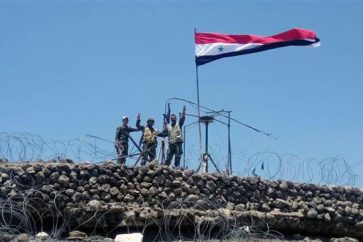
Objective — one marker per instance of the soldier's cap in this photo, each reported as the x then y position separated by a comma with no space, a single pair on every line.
150,119
124,117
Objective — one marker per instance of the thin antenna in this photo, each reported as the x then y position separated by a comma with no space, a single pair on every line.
198,104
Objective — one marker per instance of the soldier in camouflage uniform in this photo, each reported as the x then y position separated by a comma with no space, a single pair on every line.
149,140
122,139
174,131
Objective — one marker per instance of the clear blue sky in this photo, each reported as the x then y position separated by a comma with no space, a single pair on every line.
69,68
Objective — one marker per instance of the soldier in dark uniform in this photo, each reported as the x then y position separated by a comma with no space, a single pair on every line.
174,131
149,140
122,139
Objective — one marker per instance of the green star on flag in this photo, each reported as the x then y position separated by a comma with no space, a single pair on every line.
220,49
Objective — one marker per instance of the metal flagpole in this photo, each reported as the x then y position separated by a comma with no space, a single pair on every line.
199,124
198,104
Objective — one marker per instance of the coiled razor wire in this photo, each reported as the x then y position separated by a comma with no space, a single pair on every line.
24,210
25,147
31,147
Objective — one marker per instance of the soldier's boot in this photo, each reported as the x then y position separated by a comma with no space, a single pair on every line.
177,160
122,161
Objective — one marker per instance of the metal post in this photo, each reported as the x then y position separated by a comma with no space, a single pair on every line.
229,145
185,140
206,137
206,146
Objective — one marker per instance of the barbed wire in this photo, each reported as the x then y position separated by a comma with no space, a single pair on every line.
24,147
31,147
25,208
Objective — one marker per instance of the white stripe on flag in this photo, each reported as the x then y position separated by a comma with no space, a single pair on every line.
222,48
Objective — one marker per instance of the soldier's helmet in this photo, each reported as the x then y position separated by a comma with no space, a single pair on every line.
124,118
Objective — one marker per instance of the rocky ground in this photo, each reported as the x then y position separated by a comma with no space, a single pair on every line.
92,197
81,237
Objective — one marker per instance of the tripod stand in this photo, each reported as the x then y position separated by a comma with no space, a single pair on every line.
206,156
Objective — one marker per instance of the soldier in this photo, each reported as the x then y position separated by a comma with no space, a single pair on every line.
175,139
122,139
149,140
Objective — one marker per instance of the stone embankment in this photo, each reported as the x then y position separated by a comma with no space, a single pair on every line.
108,196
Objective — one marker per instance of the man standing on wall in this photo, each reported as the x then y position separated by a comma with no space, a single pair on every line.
149,140
175,139
122,139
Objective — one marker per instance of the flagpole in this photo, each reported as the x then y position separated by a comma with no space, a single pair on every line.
198,104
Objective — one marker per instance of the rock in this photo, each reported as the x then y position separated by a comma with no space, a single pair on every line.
92,180
96,238
191,198
63,180
312,213
22,238
163,195
176,183
41,236
359,226
188,173
330,210
133,237
261,186
105,196
76,197
283,186
73,176
211,186
355,211
39,177
47,189
163,181
327,217
345,239
30,170
69,192
54,177
146,185
280,203
3,177
102,179
93,205
129,198
153,191
225,213
77,235
176,172
148,179
240,207
320,208
229,205
144,192
104,188
114,191
265,207
86,196
130,173
84,174
80,189
297,236
150,172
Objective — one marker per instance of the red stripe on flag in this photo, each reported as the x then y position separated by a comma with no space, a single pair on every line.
292,34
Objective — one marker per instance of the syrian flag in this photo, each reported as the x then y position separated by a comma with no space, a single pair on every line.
213,46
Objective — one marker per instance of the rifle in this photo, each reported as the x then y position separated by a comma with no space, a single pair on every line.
166,121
